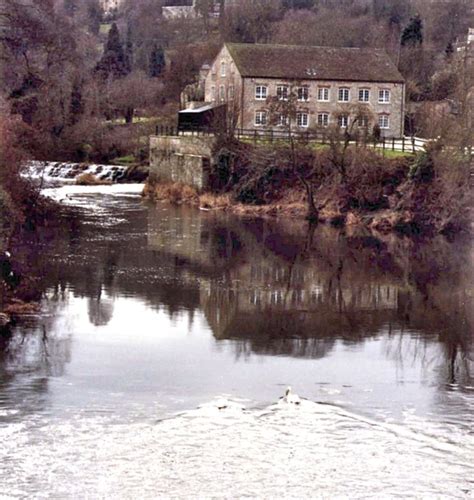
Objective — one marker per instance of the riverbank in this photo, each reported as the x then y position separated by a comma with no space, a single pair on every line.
425,194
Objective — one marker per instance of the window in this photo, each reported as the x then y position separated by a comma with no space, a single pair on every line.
323,119
282,93
363,121
231,92
303,94
282,121
260,118
223,68
222,93
384,121
302,119
343,94
213,93
261,92
323,94
384,96
343,121
364,95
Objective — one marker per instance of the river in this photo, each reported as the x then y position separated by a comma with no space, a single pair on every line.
168,334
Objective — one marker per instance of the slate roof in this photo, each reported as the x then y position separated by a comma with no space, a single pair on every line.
313,63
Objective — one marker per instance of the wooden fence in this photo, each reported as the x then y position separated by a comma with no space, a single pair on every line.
403,144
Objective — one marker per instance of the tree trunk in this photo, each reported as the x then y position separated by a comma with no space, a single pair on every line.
129,113
313,213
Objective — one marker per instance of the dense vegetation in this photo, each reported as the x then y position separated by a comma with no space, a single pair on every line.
78,85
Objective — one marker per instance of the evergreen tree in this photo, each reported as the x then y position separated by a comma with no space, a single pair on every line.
157,61
113,62
76,106
413,32
129,59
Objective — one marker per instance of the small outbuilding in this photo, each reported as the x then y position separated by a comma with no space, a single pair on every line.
206,118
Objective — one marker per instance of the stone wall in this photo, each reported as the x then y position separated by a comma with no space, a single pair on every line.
394,109
184,159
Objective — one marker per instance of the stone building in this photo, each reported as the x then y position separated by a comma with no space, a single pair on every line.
110,6
331,85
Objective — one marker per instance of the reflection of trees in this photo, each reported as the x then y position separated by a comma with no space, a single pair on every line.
272,286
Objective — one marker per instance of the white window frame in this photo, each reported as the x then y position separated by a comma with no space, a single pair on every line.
213,93
261,92
363,122
344,92
261,118
302,119
384,121
282,120
364,95
231,92
303,94
343,121
384,96
223,69
222,93
323,119
282,92
323,94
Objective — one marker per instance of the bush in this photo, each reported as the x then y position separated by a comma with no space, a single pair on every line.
422,169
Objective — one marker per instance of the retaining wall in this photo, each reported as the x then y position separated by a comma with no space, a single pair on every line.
184,159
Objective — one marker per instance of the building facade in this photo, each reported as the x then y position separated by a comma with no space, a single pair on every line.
331,86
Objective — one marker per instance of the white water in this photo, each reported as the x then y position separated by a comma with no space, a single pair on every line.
280,451
74,435
68,172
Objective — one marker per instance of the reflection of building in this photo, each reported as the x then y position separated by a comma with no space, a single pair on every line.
256,288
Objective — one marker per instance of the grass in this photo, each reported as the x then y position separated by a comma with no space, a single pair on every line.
318,146
104,28
125,160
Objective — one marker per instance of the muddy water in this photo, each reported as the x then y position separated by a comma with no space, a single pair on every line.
168,335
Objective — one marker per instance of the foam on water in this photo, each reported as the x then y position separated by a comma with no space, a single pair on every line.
311,450
68,172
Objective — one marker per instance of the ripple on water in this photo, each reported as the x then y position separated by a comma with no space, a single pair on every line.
310,450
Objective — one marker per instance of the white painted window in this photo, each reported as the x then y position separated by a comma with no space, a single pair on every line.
303,94
261,118
231,92
384,121
323,94
223,69
222,93
261,92
282,120
213,93
282,92
364,95
302,119
384,96
343,121
363,121
323,119
344,94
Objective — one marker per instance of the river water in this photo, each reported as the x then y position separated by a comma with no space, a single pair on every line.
168,335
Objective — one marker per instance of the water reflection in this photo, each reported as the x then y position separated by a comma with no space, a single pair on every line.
165,308
285,289
270,287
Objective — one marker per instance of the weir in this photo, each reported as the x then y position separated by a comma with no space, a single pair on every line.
68,172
